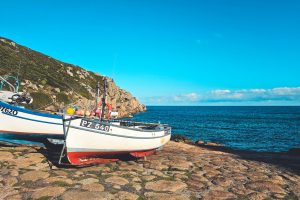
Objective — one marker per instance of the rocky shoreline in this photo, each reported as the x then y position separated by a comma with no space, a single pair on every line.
180,171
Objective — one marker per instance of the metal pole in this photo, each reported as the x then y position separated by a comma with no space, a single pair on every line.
4,80
103,100
98,93
65,138
66,131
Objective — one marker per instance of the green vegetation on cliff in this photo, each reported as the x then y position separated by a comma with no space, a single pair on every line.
40,99
49,80
40,69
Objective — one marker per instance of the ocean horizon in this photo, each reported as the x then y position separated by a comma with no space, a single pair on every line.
257,128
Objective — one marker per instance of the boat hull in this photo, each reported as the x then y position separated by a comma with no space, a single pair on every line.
86,144
18,123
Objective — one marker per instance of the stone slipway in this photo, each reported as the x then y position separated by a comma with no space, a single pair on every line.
180,171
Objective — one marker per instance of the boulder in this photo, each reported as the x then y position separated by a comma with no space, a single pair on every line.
56,90
180,138
48,192
93,187
88,181
200,142
126,195
80,195
34,175
213,144
117,180
165,185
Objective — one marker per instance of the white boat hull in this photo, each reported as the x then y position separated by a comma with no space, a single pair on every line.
20,123
85,139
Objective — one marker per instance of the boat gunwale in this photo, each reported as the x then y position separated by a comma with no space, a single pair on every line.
123,136
164,126
31,112
34,120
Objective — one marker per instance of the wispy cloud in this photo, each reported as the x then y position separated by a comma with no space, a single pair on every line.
190,97
226,95
282,93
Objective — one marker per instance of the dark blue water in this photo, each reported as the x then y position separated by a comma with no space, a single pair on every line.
273,129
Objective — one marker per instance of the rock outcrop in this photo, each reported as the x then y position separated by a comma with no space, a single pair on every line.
55,84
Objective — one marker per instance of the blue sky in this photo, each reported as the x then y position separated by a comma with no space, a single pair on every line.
172,52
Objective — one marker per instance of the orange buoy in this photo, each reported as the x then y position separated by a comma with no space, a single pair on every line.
87,113
79,112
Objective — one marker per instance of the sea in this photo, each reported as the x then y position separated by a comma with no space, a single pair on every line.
264,129
257,128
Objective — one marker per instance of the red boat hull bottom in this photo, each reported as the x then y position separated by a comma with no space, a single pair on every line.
140,154
88,158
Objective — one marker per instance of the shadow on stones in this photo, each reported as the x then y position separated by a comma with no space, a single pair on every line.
8,144
289,161
52,154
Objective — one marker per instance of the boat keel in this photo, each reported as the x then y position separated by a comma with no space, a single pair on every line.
140,154
88,158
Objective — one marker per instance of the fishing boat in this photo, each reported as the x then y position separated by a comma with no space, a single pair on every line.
19,123
93,141
90,141
85,140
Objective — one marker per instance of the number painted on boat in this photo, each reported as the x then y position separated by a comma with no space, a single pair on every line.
8,111
94,125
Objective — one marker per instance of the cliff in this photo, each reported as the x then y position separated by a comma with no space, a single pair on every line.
54,84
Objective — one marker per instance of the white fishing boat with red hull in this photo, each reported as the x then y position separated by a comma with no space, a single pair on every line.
85,140
93,141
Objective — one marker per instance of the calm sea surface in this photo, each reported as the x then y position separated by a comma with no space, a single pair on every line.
253,128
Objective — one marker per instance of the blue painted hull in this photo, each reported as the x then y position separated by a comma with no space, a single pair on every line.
18,123
28,137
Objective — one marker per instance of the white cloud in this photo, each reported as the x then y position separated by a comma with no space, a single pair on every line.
225,95
282,93
237,95
257,90
220,92
286,91
186,97
192,96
